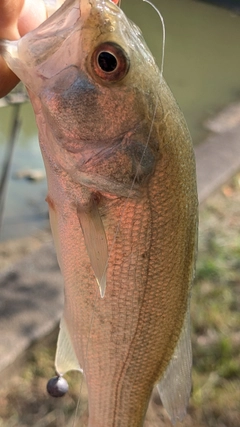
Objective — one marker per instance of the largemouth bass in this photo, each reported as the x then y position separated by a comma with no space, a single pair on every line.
123,207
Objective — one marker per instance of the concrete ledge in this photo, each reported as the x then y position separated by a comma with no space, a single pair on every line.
218,158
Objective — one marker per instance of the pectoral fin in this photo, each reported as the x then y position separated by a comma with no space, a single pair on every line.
66,359
96,242
175,385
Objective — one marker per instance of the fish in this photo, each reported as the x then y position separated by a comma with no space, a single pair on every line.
123,207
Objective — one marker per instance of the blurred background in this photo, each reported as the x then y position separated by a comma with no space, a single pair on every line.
202,63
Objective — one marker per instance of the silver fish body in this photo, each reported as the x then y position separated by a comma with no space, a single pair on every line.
123,207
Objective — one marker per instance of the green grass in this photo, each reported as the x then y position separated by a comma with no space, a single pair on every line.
216,311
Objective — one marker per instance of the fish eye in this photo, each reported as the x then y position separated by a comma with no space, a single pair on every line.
107,61
110,62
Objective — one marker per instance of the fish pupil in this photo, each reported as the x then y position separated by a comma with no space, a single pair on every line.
107,62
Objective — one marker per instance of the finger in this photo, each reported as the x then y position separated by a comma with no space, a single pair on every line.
8,79
32,14
16,19
9,12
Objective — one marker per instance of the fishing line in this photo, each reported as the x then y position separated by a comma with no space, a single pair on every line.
163,31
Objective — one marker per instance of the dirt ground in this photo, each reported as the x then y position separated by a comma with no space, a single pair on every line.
215,400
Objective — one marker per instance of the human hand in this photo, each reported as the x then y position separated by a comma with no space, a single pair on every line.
17,17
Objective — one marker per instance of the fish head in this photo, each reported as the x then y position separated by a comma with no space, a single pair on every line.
90,63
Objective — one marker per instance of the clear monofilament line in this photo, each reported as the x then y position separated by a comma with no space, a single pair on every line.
163,31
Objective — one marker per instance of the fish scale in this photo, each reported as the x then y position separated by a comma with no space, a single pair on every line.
110,314
123,207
